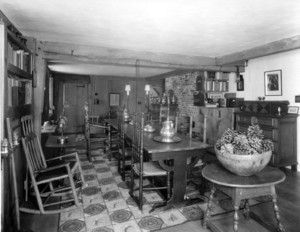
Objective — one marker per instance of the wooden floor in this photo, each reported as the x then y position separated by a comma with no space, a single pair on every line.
288,201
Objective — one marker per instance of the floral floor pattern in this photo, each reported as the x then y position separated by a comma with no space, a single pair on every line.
107,206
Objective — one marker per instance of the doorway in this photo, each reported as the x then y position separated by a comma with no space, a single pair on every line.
74,97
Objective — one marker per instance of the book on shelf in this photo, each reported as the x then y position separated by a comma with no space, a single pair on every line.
216,86
19,58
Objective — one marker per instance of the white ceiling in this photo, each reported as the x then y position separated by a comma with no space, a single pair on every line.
208,28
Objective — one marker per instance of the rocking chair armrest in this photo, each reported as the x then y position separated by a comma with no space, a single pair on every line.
64,165
63,156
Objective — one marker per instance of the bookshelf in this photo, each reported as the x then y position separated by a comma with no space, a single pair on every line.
18,69
210,87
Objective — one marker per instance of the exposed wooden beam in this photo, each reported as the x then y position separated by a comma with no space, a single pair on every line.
66,58
178,72
53,50
264,50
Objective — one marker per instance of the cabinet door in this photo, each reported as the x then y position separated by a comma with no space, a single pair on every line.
287,154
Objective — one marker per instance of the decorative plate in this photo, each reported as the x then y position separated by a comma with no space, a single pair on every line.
161,139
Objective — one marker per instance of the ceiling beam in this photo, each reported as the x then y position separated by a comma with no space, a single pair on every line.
283,45
108,55
67,58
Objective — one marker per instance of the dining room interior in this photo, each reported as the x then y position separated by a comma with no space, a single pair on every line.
115,115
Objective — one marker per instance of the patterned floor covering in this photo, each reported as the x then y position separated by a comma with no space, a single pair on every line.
107,206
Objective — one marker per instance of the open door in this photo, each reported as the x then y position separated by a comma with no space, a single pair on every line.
74,98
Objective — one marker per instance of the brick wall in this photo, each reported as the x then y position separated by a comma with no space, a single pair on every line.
184,87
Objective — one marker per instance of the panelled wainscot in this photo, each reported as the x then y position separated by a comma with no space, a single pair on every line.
276,124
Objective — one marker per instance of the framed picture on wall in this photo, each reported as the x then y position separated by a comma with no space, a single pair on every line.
273,83
114,99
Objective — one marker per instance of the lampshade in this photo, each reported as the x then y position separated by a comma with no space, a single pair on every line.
127,89
147,89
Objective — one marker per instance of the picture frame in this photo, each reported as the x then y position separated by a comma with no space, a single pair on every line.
273,83
114,99
293,109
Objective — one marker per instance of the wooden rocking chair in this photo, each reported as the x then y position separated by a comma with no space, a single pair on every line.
54,181
27,124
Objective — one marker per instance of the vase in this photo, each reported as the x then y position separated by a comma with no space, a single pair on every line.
243,165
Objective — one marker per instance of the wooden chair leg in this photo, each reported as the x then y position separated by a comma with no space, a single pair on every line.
168,185
131,178
16,196
123,168
141,192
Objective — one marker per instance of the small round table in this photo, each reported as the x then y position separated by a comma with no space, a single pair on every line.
242,188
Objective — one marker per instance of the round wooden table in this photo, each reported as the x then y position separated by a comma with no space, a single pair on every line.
242,188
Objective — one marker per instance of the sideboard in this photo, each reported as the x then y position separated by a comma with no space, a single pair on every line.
278,126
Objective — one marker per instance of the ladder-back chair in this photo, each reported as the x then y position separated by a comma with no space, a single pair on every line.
52,178
124,148
97,134
188,128
144,169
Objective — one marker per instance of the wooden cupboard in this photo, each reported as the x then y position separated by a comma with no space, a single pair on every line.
281,129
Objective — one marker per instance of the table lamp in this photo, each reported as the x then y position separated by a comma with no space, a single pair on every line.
126,116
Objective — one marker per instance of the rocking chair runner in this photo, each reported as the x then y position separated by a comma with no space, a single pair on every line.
49,180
